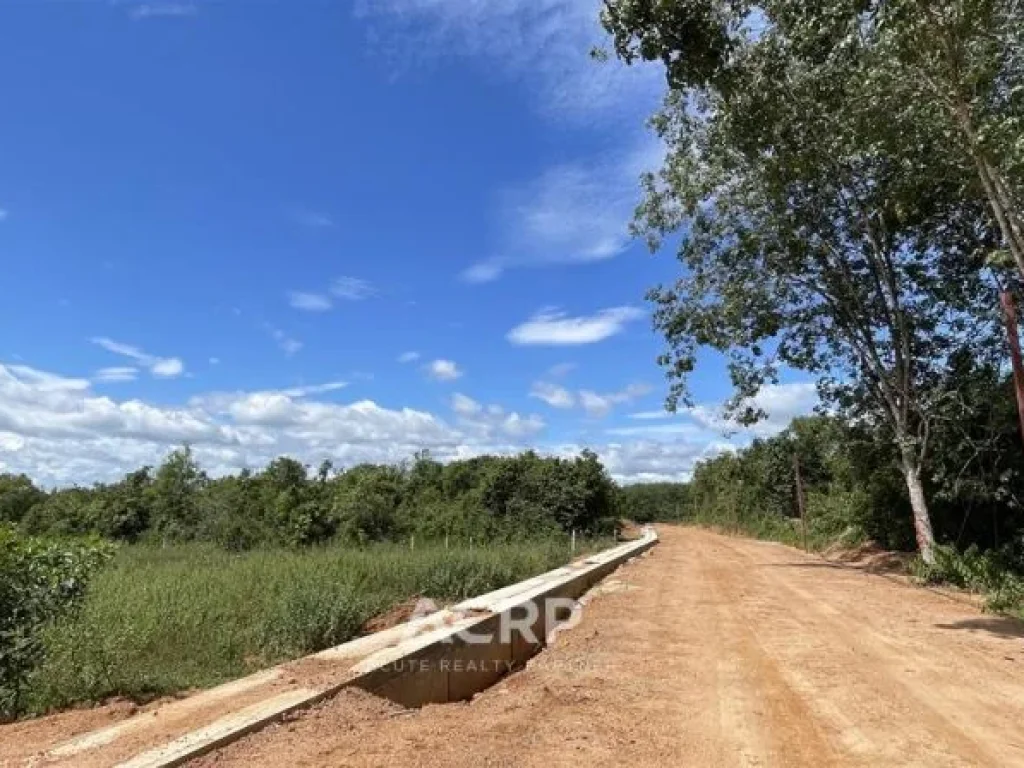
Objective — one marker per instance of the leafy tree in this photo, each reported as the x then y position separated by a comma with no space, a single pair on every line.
806,243
39,581
17,496
175,496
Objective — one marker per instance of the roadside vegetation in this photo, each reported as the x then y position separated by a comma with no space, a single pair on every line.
164,620
170,579
845,186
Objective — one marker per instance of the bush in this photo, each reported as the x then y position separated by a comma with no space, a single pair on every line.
40,581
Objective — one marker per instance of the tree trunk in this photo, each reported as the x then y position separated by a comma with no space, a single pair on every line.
919,505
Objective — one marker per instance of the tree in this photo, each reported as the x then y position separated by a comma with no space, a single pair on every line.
955,69
806,241
17,496
175,496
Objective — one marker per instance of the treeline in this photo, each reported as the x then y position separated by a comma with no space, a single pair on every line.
852,489
845,183
483,499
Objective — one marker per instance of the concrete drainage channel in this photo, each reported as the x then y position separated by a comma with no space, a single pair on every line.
447,656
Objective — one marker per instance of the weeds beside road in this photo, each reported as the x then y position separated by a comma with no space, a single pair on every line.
163,620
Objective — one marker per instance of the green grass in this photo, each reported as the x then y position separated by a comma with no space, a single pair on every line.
159,621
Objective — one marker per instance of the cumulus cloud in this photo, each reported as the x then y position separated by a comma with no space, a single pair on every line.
443,370
493,420
161,367
553,395
309,302
600,405
59,431
780,402
408,357
553,327
465,406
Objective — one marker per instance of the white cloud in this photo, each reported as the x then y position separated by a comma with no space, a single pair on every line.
4,213
59,431
162,10
492,420
650,415
309,302
599,406
575,213
287,344
214,361
545,44
781,402
465,406
352,289
561,370
116,374
552,327
315,389
168,368
443,370
408,357
483,271
161,367
553,395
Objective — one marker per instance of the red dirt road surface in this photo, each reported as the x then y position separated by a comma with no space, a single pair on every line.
712,651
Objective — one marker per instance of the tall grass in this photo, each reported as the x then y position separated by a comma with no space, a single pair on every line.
159,621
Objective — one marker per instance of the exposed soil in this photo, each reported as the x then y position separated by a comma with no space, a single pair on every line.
398,614
712,651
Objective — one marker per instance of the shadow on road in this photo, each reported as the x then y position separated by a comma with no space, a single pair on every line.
1004,626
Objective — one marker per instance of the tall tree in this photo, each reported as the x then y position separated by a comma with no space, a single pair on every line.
807,242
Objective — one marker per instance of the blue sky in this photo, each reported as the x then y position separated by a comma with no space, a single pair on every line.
329,229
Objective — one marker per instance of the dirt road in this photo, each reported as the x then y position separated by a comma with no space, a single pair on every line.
713,652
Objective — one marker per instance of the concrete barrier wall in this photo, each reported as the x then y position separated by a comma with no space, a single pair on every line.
426,660
443,665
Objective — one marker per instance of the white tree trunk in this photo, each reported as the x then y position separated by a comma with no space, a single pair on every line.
919,505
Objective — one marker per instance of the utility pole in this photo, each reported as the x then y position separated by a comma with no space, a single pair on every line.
800,503
1013,339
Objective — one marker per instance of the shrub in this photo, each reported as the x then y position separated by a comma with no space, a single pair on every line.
39,582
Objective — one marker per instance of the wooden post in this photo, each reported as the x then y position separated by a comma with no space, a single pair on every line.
412,542
1013,339
446,542
573,541
800,503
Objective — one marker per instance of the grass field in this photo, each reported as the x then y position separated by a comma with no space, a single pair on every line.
159,621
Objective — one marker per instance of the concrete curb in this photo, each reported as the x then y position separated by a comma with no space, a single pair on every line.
431,659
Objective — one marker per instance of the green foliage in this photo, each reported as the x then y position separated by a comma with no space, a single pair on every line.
40,581
165,619
482,499
999,574
819,167
651,502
